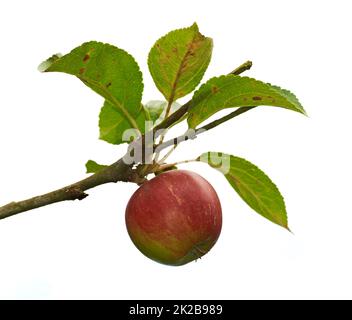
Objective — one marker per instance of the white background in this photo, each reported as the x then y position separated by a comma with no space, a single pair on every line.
48,129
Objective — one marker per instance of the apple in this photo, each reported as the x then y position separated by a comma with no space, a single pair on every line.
174,218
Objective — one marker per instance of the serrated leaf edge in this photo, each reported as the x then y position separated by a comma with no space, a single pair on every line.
173,84
124,111
261,172
274,88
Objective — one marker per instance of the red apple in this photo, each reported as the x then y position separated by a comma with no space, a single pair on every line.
175,217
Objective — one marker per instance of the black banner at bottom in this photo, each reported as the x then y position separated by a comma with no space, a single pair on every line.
159,309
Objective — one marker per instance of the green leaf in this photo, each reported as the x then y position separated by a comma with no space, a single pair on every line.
235,91
157,110
93,167
177,61
109,71
112,124
252,184
48,62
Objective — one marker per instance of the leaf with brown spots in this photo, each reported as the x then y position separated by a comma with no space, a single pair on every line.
252,185
235,91
177,61
109,71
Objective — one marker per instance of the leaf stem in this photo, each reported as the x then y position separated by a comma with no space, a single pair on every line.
231,115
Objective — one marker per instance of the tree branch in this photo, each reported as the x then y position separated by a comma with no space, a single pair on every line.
118,171
193,134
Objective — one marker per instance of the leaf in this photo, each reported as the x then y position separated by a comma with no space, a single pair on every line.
109,71
178,60
157,110
252,184
113,125
48,62
234,91
93,167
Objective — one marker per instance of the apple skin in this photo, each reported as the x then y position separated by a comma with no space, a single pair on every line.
174,218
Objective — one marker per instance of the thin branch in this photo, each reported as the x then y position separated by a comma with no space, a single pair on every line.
231,115
192,135
172,118
242,68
